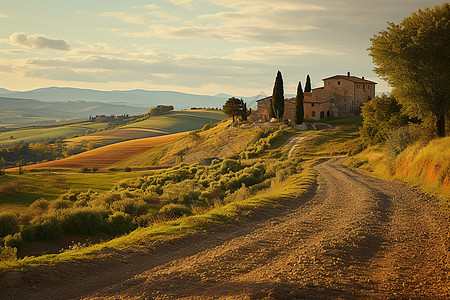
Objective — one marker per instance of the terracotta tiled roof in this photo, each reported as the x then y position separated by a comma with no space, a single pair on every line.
264,99
351,78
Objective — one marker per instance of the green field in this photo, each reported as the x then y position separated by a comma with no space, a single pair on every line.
180,121
37,134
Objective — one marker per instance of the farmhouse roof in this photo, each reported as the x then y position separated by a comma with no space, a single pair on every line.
351,78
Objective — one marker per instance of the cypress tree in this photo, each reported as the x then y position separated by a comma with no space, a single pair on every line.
278,98
308,84
299,112
244,113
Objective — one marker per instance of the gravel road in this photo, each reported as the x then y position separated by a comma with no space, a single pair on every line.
351,237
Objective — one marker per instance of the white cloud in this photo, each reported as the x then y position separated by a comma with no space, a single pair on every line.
3,16
135,19
38,42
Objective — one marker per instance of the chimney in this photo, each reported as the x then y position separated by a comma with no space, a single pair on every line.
363,77
348,74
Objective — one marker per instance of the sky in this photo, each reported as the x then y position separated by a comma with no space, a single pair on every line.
202,47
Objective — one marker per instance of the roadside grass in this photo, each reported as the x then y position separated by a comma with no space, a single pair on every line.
423,165
38,134
180,121
290,190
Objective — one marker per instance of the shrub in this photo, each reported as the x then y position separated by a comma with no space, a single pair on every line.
83,220
59,204
398,141
173,210
119,223
85,170
94,169
229,165
127,169
8,253
9,224
40,204
14,241
46,228
131,206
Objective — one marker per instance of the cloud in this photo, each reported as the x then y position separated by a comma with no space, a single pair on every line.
135,19
3,16
38,42
13,51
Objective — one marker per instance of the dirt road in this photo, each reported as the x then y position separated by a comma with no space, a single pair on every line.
353,236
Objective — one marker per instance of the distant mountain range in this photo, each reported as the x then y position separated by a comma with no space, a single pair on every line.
56,104
142,98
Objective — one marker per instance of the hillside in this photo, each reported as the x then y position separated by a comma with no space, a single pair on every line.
179,121
17,112
106,156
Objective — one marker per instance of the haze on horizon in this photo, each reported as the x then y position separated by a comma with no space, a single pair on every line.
203,46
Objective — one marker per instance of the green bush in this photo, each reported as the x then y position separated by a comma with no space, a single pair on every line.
44,228
173,210
119,223
9,224
83,220
127,169
132,207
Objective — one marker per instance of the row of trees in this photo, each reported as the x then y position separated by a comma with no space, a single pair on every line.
276,109
238,108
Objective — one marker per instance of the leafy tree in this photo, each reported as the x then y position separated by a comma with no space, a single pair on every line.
233,107
308,84
414,58
299,111
382,116
278,98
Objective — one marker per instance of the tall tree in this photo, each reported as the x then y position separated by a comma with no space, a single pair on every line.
278,98
233,107
299,111
244,112
308,84
414,58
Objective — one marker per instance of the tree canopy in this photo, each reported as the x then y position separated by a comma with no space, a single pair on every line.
235,108
299,111
277,102
414,58
160,109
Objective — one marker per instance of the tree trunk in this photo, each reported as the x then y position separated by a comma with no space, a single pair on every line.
440,125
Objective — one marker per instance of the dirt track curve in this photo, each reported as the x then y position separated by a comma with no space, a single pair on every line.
351,237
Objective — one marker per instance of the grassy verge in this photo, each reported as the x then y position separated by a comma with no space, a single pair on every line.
423,165
289,190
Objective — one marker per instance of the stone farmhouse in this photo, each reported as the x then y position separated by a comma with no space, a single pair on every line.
340,96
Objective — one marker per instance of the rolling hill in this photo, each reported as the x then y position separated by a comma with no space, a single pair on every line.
108,155
17,112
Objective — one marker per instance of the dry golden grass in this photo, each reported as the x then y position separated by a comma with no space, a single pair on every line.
106,156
